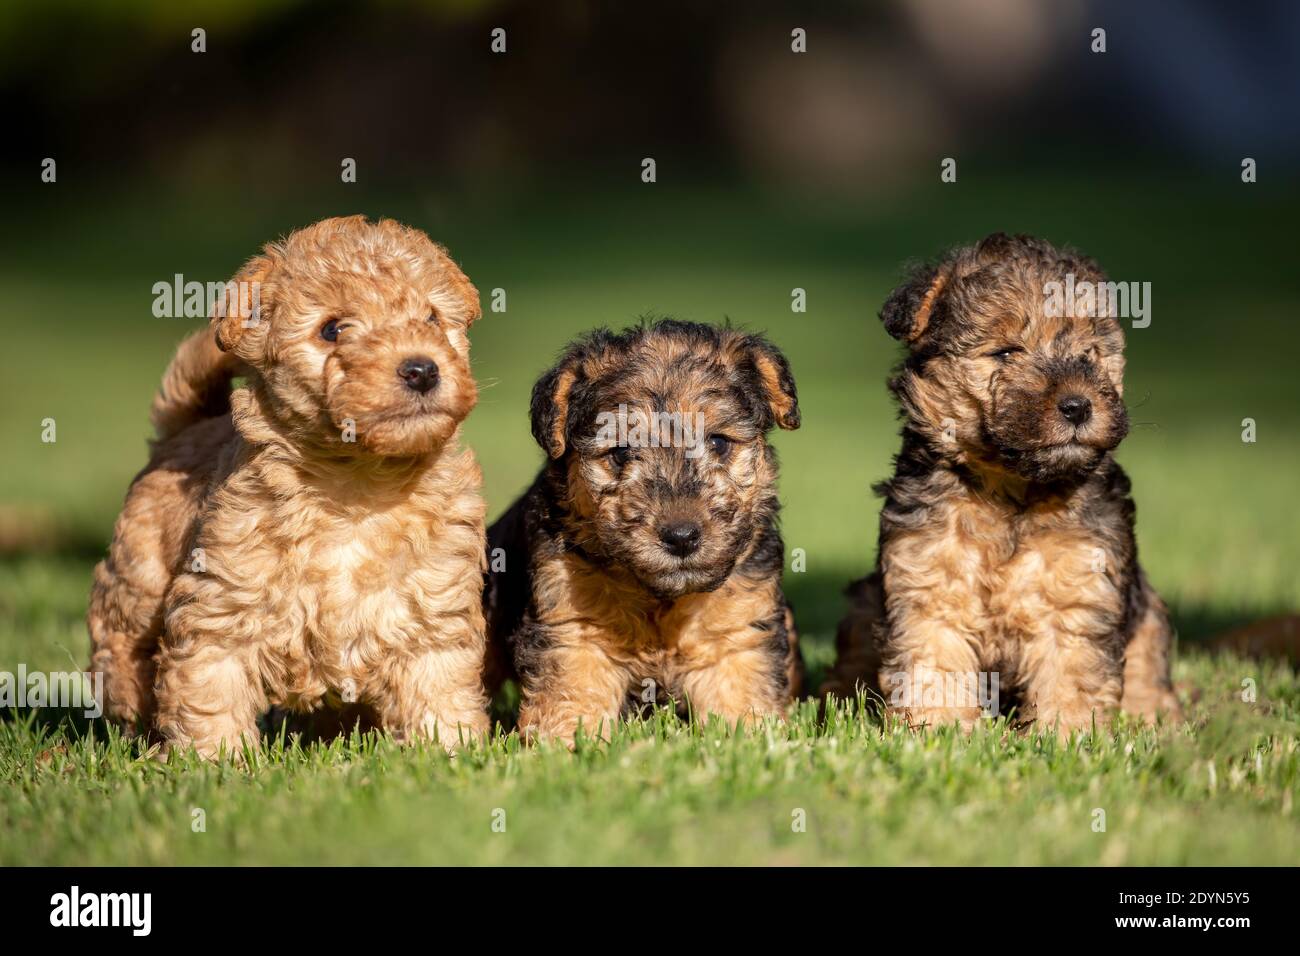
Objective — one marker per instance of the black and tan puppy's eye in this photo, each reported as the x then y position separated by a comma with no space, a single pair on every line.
620,455
720,445
330,330
1005,352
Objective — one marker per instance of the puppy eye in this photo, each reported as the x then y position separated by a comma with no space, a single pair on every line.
720,445
620,455
330,330
1005,352
433,317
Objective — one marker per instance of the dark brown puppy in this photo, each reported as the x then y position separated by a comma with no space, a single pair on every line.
1006,537
644,563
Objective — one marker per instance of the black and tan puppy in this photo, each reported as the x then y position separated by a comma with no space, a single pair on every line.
1006,537
644,563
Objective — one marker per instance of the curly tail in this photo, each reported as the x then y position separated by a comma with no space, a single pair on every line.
195,386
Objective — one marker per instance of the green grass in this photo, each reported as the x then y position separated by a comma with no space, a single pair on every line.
1217,532
663,791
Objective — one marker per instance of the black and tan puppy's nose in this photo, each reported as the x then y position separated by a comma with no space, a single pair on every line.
1075,408
680,538
420,373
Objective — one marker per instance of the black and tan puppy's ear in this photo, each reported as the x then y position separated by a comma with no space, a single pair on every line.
913,307
550,404
239,311
770,372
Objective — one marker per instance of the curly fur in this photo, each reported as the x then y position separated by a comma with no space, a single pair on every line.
592,611
320,543
1006,537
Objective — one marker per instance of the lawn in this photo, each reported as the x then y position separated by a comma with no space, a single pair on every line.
1217,528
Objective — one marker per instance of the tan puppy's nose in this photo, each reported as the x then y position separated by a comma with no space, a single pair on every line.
420,373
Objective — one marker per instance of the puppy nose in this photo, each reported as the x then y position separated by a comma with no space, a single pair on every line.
419,373
1075,408
680,538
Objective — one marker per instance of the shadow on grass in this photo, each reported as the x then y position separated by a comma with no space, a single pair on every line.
819,602
56,725
20,542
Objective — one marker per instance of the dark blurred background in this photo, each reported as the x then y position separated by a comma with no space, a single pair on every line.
413,90
776,170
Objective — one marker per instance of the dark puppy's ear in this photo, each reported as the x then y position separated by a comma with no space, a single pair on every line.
908,310
774,381
999,245
550,404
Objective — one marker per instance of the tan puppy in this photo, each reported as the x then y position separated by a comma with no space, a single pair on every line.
322,542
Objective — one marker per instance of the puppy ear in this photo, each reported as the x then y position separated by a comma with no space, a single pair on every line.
909,309
240,306
550,405
462,287
775,383
999,245
475,306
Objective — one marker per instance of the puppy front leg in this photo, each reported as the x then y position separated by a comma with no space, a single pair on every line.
208,697
435,693
1071,682
740,686
573,680
930,677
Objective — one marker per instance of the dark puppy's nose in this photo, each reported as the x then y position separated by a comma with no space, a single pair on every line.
680,538
1075,408
419,373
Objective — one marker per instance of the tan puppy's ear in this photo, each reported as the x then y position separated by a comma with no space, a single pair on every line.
240,307
468,292
461,287
772,379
